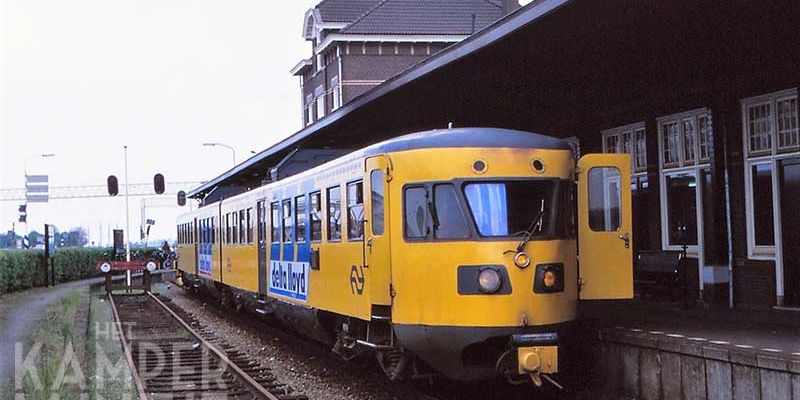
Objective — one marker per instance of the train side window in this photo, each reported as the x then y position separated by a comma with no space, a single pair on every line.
316,216
334,213
604,199
227,228
300,218
415,211
213,230
355,210
242,227
376,194
287,221
275,222
234,228
452,224
262,222
250,225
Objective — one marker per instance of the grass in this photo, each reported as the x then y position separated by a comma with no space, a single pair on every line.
79,356
57,368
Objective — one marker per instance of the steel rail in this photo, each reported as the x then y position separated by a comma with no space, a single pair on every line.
128,355
224,358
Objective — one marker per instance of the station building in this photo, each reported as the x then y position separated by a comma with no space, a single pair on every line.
702,94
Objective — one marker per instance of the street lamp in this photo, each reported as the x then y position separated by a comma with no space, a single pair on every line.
225,146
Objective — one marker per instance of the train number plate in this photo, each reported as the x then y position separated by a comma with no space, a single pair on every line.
289,279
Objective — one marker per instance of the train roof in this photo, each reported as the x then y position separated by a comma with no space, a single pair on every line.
466,137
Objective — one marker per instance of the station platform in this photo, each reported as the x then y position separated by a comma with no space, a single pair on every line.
659,351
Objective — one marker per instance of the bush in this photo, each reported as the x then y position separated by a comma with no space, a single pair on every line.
20,269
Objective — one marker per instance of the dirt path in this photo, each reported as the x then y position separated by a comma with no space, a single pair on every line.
19,311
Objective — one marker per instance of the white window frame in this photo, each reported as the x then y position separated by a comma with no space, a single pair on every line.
772,100
694,167
309,110
619,133
773,157
335,93
319,104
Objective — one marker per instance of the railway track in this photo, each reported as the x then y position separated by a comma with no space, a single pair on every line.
173,356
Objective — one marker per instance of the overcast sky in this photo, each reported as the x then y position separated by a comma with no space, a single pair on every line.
81,79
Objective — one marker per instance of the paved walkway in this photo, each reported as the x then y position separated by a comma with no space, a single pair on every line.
18,313
771,331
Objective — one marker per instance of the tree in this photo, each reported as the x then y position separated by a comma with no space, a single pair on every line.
8,240
76,237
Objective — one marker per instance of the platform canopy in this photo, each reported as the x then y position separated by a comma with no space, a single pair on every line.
562,68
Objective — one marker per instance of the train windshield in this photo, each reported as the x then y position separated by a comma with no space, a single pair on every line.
510,208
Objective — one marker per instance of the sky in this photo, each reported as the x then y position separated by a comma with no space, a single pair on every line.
82,79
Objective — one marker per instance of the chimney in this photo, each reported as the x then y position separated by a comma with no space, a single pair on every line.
510,6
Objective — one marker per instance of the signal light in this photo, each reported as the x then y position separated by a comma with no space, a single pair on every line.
181,198
113,185
158,183
23,218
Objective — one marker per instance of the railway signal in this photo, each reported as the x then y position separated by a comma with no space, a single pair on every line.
158,183
23,213
113,185
181,198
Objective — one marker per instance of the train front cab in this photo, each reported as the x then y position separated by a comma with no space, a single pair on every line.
474,297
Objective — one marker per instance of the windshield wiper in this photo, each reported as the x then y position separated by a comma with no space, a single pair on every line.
533,228
434,214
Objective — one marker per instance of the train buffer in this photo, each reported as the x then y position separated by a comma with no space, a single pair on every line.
146,267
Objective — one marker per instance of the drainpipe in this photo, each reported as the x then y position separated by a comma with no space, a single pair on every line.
728,217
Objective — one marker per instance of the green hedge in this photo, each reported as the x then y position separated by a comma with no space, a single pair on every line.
23,269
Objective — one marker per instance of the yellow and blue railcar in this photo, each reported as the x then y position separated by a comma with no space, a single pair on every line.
451,249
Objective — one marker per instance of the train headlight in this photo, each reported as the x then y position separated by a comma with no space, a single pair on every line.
549,279
105,267
522,259
151,266
489,280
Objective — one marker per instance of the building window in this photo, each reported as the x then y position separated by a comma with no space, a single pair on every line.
355,211
628,139
685,146
335,93
771,123
770,129
316,216
309,110
320,107
685,139
334,214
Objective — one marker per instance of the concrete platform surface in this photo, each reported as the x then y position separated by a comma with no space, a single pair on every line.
775,332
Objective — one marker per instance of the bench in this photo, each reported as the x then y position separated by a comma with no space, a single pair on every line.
657,272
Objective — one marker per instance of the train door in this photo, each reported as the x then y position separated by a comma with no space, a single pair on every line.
261,239
377,250
790,230
195,243
605,247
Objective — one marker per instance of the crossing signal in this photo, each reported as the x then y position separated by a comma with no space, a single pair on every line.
113,185
181,198
158,183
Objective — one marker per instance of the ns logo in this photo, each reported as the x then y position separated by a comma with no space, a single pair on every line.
357,279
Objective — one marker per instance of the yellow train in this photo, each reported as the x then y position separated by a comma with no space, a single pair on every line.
453,250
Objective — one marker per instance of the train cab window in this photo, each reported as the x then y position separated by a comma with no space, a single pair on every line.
300,218
250,225
242,227
604,199
448,221
376,195
275,222
316,216
355,210
415,209
334,213
510,208
287,221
